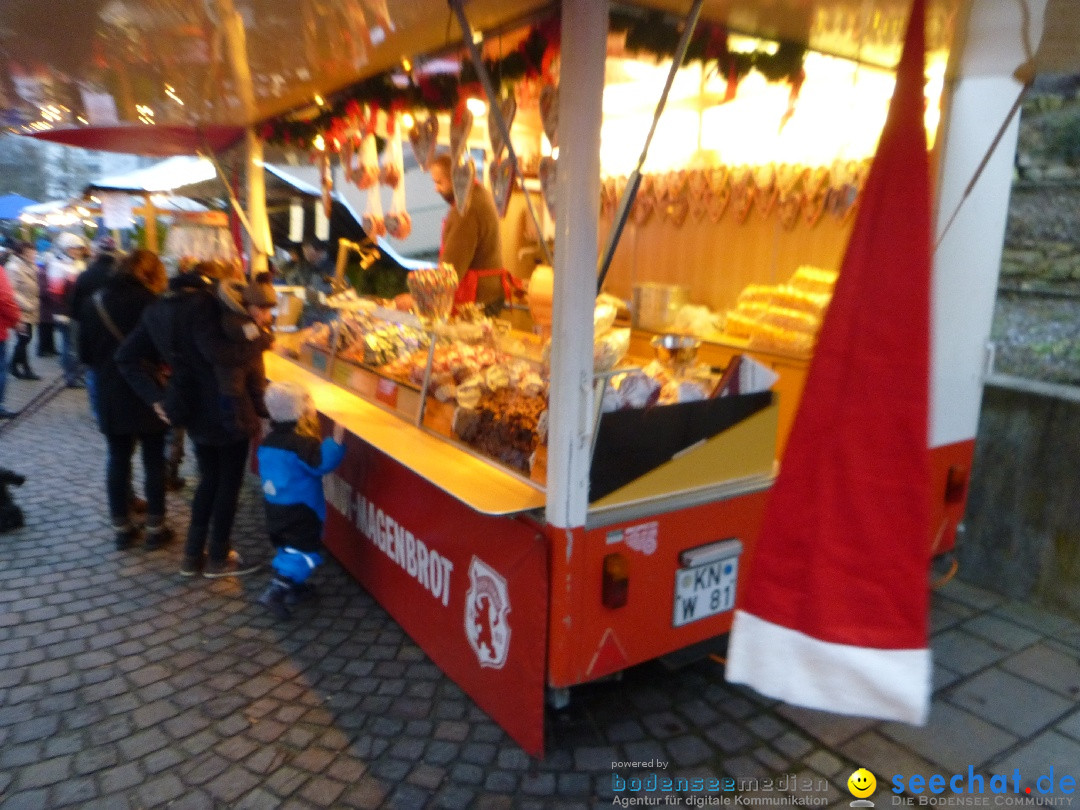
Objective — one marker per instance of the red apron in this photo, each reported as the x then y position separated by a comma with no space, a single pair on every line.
467,286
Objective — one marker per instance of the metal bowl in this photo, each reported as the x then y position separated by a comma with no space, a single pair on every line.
676,351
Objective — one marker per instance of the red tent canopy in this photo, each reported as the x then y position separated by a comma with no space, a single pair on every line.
163,140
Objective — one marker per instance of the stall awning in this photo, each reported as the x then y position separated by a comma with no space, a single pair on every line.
12,204
153,78
161,177
152,140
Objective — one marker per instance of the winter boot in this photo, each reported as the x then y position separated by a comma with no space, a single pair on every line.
274,598
126,534
158,535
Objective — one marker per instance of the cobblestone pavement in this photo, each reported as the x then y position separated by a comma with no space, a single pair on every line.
124,686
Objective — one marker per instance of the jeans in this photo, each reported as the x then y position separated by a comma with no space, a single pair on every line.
69,360
118,475
3,371
18,356
221,474
92,395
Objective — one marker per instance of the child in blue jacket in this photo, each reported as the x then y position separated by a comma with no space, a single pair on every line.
292,462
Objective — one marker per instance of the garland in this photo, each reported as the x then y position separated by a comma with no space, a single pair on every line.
653,34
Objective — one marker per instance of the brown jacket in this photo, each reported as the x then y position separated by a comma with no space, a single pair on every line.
471,241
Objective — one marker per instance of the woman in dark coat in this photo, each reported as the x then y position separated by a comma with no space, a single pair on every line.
213,336
106,318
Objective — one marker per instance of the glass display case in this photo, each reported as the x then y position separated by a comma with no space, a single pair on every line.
471,381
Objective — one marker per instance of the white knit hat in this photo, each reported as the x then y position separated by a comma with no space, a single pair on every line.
287,401
70,241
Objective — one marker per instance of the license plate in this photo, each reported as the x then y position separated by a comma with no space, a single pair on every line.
705,584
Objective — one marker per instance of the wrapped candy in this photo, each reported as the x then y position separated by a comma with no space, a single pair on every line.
638,390
469,392
496,378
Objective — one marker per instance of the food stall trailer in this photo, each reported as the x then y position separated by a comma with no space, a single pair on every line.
520,591
516,591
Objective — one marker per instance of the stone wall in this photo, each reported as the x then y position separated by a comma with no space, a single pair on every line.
1022,529
1042,237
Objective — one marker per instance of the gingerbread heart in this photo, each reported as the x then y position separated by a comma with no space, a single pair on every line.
677,210
742,193
697,188
789,210
718,202
508,108
548,171
501,173
608,198
423,137
461,123
644,202
813,206
549,113
719,179
765,188
463,176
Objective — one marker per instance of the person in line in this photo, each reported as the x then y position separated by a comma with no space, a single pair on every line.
9,319
49,296
212,335
293,458
93,278
472,244
22,274
64,269
107,318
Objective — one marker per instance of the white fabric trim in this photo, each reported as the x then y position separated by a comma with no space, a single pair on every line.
783,663
307,558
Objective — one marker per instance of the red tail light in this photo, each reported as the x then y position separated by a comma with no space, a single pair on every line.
616,581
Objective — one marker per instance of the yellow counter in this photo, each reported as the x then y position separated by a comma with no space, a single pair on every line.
478,484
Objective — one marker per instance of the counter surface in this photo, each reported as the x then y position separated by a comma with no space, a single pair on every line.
478,484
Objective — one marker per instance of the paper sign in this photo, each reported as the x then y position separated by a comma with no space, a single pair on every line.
755,377
296,221
116,211
100,108
322,224
386,392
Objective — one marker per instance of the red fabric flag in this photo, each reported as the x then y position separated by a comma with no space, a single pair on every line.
836,613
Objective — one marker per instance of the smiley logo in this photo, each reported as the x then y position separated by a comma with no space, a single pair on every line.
862,783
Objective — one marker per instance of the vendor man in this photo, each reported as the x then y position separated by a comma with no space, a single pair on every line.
471,242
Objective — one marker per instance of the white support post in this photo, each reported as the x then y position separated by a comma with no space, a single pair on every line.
968,260
570,411
236,42
261,242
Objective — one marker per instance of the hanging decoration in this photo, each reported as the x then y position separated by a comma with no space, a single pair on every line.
463,176
423,136
398,221
366,175
501,173
508,109
368,178
791,193
461,124
652,35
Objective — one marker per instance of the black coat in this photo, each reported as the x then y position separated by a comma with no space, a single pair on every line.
120,411
217,378
88,282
